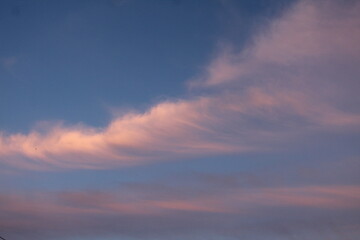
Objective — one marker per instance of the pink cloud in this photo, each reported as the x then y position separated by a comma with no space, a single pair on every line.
284,85
124,212
249,201
133,202
172,130
308,33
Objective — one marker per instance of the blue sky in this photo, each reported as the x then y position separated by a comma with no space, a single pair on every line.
176,119
76,61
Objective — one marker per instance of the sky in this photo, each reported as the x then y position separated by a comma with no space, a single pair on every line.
180,119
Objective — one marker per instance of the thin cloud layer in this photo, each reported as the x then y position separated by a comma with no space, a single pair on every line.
294,79
137,213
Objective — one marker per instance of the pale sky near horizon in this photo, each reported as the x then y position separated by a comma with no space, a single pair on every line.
179,119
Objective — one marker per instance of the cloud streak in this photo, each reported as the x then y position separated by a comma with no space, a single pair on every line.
61,213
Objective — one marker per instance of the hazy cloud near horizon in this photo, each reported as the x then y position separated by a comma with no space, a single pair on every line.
160,210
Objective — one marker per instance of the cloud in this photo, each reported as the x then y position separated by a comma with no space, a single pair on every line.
174,128
131,212
296,79
215,125
309,33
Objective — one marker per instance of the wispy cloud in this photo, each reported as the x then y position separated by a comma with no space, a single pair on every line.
309,33
293,79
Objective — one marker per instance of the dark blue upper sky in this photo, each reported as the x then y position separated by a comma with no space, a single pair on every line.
76,61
